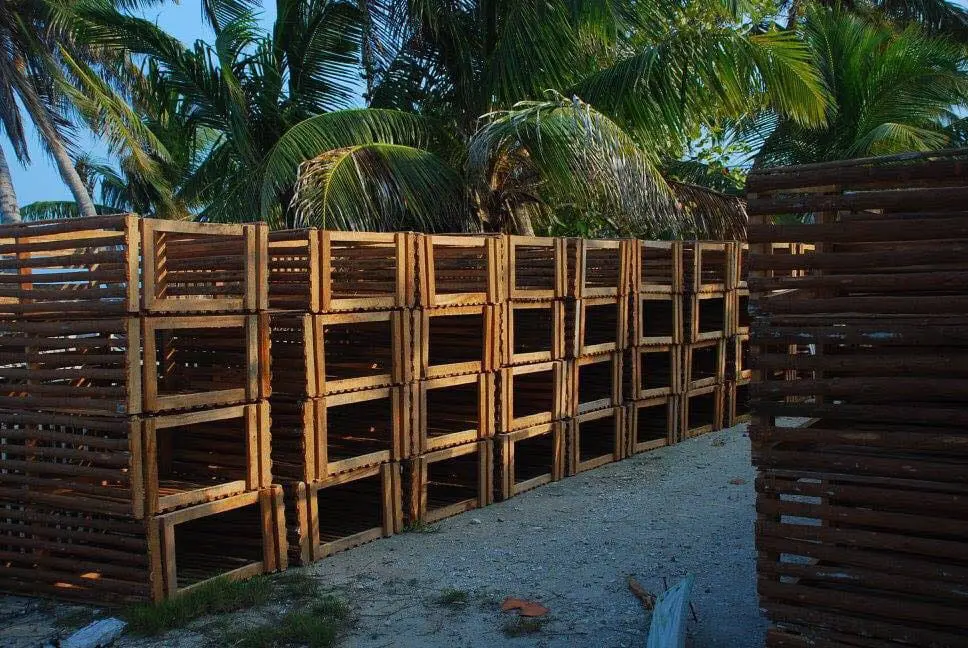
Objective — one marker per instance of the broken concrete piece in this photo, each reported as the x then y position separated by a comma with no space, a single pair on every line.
96,635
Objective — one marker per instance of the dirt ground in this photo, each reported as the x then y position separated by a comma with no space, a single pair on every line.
570,545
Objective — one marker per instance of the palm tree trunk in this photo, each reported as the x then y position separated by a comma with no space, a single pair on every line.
9,212
64,163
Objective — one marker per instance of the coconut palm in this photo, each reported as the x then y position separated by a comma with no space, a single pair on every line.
47,75
892,91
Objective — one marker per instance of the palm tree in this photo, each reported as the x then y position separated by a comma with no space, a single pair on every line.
893,91
635,82
39,59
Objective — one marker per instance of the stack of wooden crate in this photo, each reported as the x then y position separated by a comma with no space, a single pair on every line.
738,372
134,459
457,332
596,335
707,302
532,395
343,383
653,375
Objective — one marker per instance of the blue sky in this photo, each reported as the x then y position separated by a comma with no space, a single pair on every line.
40,180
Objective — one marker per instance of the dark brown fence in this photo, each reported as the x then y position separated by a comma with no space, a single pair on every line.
860,357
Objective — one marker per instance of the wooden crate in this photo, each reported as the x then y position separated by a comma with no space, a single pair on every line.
292,337
701,411
363,350
737,408
83,366
655,371
707,316
531,395
528,458
203,267
342,512
650,423
361,428
453,411
460,270
532,332
594,382
81,462
738,365
79,267
595,439
235,538
739,271
197,457
535,268
704,364
707,266
204,361
657,318
53,546
448,482
294,441
739,311
294,269
596,325
367,271
457,340
656,267
596,269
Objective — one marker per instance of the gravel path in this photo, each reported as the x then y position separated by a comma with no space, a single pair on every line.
570,545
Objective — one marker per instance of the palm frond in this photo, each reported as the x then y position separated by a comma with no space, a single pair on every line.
381,187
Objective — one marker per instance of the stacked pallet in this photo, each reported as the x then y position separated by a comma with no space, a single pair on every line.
343,354
531,407
134,459
449,468
654,360
861,530
596,335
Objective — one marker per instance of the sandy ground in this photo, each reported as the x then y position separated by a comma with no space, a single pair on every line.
572,545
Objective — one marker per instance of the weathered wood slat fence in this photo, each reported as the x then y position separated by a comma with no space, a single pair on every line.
860,329
184,401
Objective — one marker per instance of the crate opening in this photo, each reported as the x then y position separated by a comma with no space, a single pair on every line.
533,329
712,315
655,369
451,409
596,438
358,349
363,269
203,454
195,360
359,428
705,362
534,457
742,310
451,481
350,508
702,410
219,543
601,324
455,338
199,266
652,423
595,381
714,266
603,268
744,354
658,267
657,318
534,267
534,393
460,269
